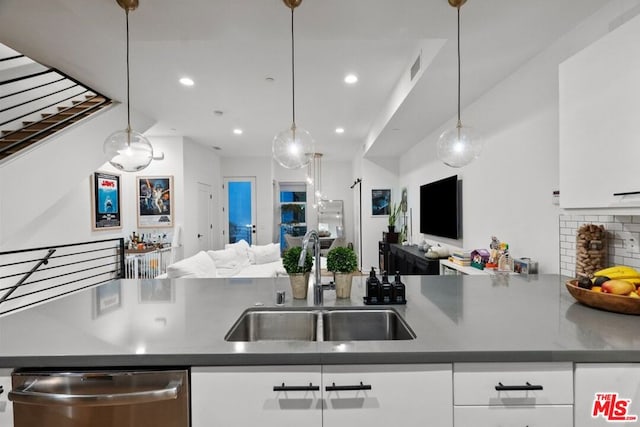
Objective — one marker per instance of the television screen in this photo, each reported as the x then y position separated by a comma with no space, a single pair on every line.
440,208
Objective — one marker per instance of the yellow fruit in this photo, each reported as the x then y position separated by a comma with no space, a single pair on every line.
617,271
633,294
596,289
618,287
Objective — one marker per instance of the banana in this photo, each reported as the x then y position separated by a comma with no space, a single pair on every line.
618,271
632,280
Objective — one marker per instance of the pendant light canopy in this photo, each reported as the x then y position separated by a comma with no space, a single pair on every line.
128,150
293,147
459,146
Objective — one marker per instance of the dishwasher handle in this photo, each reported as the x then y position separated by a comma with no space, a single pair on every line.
24,395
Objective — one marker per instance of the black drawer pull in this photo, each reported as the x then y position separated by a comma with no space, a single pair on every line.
1,389
335,387
309,387
628,193
526,387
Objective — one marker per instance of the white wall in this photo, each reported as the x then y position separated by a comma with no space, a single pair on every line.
201,165
507,192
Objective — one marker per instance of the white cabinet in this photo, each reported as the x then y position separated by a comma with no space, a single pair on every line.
245,396
497,394
599,109
6,407
405,395
607,393
327,396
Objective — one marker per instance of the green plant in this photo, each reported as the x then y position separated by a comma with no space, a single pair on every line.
290,260
393,214
342,260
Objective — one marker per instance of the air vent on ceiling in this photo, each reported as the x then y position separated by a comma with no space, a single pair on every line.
415,67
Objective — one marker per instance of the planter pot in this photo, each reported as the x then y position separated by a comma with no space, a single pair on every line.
299,284
343,284
392,228
392,237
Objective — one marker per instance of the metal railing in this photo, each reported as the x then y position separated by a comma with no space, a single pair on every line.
40,95
31,276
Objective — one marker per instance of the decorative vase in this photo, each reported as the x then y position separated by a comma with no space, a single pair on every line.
343,284
299,284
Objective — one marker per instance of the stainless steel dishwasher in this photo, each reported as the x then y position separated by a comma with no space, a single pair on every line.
100,398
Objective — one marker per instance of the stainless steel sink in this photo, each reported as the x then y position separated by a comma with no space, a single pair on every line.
320,324
365,325
272,324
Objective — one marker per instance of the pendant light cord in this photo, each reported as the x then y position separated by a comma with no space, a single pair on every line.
459,122
128,90
293,74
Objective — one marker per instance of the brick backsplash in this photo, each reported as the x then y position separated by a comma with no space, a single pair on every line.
614,224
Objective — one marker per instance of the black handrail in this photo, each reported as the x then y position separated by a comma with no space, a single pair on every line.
9,58
44,260
28,76
40,109
70,267
31,88
39,98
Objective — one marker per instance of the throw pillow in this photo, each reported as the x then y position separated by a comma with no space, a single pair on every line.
241,247
199,265
228,261
264,254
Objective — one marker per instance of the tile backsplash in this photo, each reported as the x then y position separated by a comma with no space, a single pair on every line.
616,225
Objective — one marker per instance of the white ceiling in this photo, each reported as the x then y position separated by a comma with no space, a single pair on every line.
230,47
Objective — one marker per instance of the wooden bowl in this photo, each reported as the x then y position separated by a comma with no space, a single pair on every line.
603,301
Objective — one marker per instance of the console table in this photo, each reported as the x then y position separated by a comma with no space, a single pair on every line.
409,260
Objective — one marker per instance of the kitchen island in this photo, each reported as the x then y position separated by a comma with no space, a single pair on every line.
183,323
488,350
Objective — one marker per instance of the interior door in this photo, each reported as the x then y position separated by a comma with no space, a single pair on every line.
205,223
240,208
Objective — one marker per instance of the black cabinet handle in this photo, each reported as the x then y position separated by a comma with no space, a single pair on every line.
1,389
335,387
628,193
309,387
526,387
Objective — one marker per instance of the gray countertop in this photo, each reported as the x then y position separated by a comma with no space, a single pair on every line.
183,322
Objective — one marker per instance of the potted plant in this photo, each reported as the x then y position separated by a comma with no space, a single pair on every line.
342,261
392,236
298,276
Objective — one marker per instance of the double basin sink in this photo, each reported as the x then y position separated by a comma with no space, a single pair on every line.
320,324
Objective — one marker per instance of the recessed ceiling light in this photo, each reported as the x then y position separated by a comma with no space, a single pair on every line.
351,79
237,131
186,81
339,130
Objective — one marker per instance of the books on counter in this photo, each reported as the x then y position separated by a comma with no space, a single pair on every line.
460,261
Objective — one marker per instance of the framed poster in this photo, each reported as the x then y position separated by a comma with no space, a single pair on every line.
380,202
105,201
155,201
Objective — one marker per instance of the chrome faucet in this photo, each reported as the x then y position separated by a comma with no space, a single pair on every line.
317,285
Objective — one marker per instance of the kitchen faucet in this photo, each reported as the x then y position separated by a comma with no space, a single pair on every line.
317,285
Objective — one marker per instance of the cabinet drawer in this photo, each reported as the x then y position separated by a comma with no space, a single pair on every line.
498,416
513,383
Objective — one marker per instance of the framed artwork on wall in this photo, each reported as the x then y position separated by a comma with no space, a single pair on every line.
155,201
105,201
380,202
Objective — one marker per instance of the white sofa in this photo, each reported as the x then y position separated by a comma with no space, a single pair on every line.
236,260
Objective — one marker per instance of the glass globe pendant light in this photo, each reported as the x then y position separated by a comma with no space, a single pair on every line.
128,150
292,148
459,146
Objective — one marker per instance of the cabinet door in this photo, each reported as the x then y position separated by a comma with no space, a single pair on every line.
406,395
530,416
607,393
599,110
245,396
6,407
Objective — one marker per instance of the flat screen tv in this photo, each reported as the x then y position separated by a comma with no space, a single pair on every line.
441,208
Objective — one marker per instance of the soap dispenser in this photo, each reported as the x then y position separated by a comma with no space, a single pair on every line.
386,288
373,287
399,290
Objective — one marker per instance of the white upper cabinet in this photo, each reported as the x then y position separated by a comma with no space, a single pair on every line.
600,122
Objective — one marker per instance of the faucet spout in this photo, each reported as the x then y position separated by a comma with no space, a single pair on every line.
317,285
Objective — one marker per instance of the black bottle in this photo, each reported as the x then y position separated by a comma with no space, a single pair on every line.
386,289
373,287
399,290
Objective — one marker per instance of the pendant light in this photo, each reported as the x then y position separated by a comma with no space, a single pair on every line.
293,147
458,147
128,150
